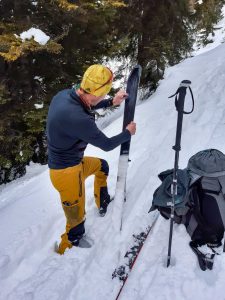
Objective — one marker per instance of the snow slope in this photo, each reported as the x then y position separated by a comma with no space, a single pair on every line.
31,218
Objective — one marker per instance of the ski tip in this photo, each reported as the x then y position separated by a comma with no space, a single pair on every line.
135,73
139,68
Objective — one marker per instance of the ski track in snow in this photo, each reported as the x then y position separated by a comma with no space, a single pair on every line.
32,218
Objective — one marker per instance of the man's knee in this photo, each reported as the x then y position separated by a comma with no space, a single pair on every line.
74,212
104,167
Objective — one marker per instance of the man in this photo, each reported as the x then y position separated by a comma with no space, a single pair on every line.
70,127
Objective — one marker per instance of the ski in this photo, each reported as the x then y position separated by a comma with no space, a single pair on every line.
131,256
129,110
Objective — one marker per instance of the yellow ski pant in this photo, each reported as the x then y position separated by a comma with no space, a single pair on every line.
69,182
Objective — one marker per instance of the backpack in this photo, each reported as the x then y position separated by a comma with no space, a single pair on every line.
200,203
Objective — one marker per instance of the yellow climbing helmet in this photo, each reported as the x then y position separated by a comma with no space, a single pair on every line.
97,80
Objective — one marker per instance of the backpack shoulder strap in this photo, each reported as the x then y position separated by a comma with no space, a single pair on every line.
196,210
222,183
221,204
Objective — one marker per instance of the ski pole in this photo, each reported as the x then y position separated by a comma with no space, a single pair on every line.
179,103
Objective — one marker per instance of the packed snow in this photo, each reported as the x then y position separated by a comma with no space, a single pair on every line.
37,34
31,217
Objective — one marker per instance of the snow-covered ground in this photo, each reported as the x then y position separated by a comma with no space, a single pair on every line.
31,217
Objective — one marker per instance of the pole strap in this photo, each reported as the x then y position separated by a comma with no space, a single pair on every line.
176,100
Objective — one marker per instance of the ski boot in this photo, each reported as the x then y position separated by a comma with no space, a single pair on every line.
104,201
77,237
82,242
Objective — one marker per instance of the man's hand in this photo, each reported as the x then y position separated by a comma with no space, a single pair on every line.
132,128
119,97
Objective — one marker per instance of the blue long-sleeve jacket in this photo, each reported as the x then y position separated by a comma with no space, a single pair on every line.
71,126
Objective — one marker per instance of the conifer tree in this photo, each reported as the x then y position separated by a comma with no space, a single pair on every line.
31,73
82,32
